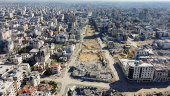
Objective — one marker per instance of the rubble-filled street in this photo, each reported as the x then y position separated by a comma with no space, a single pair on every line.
90,41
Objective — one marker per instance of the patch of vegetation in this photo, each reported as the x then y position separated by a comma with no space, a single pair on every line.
59,46
54,86
43,82
54,61
136,20
32,67
48,72
53,91
24,50
116,58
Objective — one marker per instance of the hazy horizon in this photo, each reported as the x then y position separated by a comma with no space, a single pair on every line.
86,1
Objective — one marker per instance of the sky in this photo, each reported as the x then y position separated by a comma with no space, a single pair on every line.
87,0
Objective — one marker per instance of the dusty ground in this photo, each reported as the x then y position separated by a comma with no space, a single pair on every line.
165,91
129,54
88,56
89,32
91,44
144,42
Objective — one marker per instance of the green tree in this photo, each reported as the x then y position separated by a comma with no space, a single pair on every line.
48,71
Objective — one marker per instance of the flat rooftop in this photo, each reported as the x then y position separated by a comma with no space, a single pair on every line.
134,62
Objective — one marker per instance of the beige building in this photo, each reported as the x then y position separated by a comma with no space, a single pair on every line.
161,74
39,66
137,71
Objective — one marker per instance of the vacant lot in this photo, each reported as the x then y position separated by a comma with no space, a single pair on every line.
128,53
89,32
146,42
91,44
88,56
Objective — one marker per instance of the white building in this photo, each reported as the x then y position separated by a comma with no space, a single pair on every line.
70,48
137,71
16,59
7,45
25,67
61,37
5,34
143,52
24,56
7,88
34,78
5,69
55,68
18,78
36,43
36,32
54,21
43,55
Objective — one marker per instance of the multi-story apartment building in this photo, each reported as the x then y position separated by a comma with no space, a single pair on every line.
16,59
5,34
18,78
34,78
55,68
39,66
61,37
36,43
161,74
136,70
69,47
43,55
7,88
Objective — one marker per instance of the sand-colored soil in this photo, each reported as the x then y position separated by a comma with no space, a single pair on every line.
88,56
146,42
128,54
91,44
89,32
